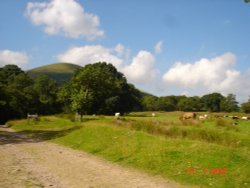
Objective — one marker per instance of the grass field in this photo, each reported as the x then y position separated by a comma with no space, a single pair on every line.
211,153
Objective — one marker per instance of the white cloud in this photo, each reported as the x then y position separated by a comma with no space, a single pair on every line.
119,49
141,70
122,52
90,54
66,17
158,47
208,75
12,57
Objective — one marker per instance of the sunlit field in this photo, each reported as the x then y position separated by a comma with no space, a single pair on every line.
214,152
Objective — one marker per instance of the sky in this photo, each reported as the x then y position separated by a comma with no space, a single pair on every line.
164,47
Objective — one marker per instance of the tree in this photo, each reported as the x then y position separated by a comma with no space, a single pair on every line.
229,103
11,71
190,104
16,94
99,88
166,103
149,103
245,107
212,102
46,90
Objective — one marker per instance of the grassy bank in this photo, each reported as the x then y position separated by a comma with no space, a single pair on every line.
192,154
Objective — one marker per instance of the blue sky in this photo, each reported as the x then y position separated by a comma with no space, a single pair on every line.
164,47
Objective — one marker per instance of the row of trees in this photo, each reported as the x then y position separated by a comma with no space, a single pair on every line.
214,102
21,95
94,89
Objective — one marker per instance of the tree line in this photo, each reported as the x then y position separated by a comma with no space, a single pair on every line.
94,89
214,102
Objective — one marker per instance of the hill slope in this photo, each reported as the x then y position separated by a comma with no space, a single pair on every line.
60,72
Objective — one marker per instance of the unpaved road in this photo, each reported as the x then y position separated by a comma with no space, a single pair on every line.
26,162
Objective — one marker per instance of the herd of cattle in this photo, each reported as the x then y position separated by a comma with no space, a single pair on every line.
193,115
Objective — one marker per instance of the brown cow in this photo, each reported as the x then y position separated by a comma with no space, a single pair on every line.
188,115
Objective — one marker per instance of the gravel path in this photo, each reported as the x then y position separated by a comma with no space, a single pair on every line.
26,162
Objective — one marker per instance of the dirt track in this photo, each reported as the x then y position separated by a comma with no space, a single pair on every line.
26,162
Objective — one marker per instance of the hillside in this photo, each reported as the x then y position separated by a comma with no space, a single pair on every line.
60,72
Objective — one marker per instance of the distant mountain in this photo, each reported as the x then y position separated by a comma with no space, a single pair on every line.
60,72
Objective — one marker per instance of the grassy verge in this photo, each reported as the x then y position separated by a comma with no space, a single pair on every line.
186,159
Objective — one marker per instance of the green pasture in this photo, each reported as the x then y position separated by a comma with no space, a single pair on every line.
210,153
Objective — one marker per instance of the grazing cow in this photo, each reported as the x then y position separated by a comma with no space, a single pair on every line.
35,116
245,118
32,116
203,117
188,115
117,115
235,117
153,114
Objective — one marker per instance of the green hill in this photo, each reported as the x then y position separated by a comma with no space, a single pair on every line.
60,72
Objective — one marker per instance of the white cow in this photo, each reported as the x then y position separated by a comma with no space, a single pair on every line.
205,116
153,114
117,115
32,115
244,118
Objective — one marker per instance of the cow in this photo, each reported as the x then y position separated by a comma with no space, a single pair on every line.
32,117
245,118
235,117
153,114
117,115
203,117
35,116
188,115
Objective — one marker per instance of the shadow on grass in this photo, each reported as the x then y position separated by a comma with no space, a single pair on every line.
8,136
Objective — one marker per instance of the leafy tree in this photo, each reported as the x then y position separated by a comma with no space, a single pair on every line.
99,88
212,102
130,98
149,103
9,71
21,95
13,85
46,91
18,96
190,104
229,103
245,107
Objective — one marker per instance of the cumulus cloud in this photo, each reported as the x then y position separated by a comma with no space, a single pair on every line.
66,17
140,70
119,49
90,54
158,47
210,75
13,57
